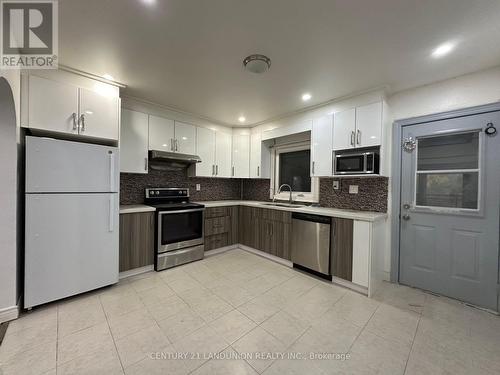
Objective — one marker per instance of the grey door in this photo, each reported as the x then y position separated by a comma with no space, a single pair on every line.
449,227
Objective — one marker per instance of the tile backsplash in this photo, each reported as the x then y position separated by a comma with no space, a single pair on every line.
132,186
372,193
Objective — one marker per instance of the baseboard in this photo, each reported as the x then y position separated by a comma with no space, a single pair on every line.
220,250
9,313
284,262
135,271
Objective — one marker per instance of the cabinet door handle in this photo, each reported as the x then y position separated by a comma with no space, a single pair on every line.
314,164
171,144
145,164
358,138
232,173
213,169
74,116
82,121
258,171
216,170
352,138
176,145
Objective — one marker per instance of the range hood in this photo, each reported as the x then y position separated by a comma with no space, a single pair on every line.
171,160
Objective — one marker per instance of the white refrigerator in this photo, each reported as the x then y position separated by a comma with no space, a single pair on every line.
71,219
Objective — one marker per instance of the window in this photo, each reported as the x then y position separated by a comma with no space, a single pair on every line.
448,171
295,170
293,167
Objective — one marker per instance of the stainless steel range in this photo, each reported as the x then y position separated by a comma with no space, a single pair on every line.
179,227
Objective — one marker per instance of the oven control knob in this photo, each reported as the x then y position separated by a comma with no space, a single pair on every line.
152,192
157,192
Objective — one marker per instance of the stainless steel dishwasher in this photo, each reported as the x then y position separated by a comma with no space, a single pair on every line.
311,242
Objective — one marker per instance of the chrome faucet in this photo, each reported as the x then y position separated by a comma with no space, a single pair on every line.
289,188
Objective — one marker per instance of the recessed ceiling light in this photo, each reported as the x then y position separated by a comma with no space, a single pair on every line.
443,50
109,77
242,119
149,2
306,97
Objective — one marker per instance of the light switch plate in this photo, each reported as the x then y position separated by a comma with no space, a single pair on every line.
353,189
336,185
198,187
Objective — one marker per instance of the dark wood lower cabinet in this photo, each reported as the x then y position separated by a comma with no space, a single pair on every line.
136,240
221,227
275,238
249,226
341,248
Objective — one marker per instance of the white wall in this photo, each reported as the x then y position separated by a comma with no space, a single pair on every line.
9,146
465,91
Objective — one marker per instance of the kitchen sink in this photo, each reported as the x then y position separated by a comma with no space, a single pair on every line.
291,205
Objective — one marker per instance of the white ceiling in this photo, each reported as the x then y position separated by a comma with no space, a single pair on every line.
188,54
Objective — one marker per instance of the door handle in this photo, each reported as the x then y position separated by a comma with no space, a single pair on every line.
352,138
216,170
232,173
358,138
171,144
111,171
111,216
145,164
258,171
406,217
82,121
74,116
176,145
314,164
213,169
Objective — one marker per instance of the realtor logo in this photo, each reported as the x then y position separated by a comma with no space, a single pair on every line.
29,37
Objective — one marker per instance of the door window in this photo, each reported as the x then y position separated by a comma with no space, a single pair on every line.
448,171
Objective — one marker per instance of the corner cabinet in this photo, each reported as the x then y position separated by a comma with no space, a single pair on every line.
62,107
321,147
358,127
134,142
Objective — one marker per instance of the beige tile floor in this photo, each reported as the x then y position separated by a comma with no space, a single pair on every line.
241,305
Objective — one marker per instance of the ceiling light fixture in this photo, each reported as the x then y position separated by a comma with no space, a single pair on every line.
149,2
109,77
257,63
306,97
443,50
242,119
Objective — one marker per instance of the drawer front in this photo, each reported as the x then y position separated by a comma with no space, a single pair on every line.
217,225
277,215
216,241
217,212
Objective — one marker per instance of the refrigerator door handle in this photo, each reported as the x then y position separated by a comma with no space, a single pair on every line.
111,215
111,171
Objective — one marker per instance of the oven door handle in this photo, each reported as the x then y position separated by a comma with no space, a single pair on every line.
180,211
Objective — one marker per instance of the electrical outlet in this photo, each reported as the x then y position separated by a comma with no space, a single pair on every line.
353,189
198,187
336,184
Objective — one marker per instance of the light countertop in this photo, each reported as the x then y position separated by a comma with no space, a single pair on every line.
135,208
333,212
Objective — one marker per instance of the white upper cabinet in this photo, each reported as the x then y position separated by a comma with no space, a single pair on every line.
161,134
321,146
344,129
171,136
205,149
256,155
223,154
99,115
66,108
134,142
185,138
358,127
369,125
241,156
52,106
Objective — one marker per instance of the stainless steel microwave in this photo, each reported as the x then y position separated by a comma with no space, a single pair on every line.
352,163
